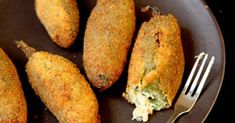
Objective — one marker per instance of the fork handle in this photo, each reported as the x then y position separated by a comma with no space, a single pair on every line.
175,115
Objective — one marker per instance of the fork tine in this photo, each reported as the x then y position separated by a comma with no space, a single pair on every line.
195,82
192,72
185,102
205,76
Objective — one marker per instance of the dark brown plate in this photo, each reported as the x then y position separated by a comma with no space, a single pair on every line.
200,32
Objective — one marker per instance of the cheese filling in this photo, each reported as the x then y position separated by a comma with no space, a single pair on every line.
146,100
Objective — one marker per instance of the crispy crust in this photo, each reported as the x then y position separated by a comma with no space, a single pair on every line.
62,88
108,36
13,107
158,55
60,18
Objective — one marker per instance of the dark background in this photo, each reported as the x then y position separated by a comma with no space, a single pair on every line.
223,108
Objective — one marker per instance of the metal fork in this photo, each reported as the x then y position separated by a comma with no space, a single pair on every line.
190,94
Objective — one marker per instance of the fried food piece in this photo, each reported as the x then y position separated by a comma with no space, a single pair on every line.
61,86
60,18
156,66
13,107
108,36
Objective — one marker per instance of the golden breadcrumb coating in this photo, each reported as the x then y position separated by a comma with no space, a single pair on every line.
108,36
62,88
13,107
156,66
60,18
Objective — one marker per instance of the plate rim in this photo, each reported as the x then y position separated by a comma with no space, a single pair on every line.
214,20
